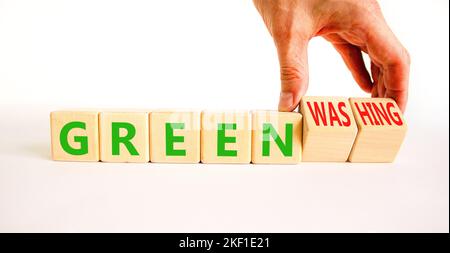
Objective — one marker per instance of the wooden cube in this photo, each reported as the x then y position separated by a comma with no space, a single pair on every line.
74,135
276,137
175,137
124,137
381,130
329,129
226,137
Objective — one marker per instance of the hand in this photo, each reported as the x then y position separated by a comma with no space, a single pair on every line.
351,26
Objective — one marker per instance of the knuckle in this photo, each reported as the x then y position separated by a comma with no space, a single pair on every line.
290,73
291,77
404,58
401,59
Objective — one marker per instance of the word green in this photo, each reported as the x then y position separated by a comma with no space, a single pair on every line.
269,132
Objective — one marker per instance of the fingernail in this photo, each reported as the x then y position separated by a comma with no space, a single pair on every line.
286,100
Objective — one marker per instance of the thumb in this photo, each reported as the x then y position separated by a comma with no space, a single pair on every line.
293,58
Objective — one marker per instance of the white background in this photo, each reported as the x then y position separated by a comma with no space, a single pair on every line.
206,55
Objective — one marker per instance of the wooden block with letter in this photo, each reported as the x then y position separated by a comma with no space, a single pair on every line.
381,130
175,136
226,137
329,129
74,135
124,137
276,137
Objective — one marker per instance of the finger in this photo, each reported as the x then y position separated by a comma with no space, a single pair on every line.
381,89
375,72
353,59
388,53
374,91
293,58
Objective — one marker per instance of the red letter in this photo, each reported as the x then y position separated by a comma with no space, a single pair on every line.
397,120
373,114
341,105
364,113
381,113
318,113
333,115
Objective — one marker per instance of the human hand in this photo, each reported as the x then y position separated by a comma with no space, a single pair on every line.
351,26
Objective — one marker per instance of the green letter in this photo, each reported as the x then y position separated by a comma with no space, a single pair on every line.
285,148
222,139
83,140
125,140
171,139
